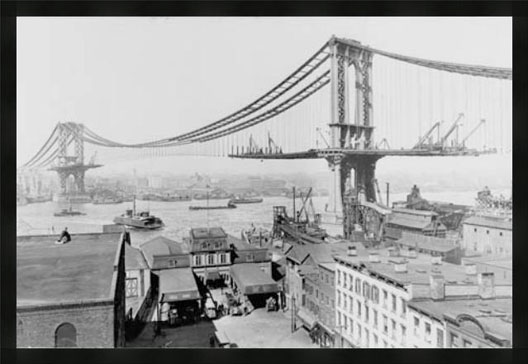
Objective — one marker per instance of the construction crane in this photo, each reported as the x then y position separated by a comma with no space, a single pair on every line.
426,135
304,208
454,126
463,143
253,147
273,147
383,143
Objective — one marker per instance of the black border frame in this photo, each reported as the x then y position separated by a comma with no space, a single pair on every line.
11,9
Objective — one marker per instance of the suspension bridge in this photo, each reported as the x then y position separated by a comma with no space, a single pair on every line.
349,104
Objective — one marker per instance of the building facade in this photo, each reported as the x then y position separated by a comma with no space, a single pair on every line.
487,235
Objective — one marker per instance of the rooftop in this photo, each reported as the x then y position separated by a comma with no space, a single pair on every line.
491,314
178,284
418,269
134,258
408,221
251,279
160,245
80,270
203,233
240,244
430,243
489,221
505,262
321,253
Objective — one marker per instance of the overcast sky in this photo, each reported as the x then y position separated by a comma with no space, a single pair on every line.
140,79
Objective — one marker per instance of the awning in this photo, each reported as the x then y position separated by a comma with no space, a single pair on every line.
306,318
178,285
213,275
222,338
250,279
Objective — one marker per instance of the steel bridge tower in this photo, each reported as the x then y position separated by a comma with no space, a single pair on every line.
71,165
350,130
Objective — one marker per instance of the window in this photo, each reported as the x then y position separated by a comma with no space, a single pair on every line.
366,290
210,259
338,277
198,260
475,229
66,336
131,287
375,337
317,295
350,282
385,325
500,233
403,332
250,258
416,325
338,299
393,302
393,329
358,331
367,341
359,310
404,307
332,303
358,286
427,332
439,338
454,340
338,318
375,316
351,326
375,294
223,259
385,298
351,305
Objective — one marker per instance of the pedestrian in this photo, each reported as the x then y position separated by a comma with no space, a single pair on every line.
212,340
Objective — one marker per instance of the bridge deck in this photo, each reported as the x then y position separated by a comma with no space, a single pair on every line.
322,153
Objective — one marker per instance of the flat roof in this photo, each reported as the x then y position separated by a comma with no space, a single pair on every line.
252,280
431,243
408,221
81,270
414,212
490,313
505,262
489,221
178,284
202,233
418,269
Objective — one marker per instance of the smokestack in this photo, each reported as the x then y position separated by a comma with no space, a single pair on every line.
437,286
486,285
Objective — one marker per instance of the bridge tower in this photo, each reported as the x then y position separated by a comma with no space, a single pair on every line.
350,130
71,165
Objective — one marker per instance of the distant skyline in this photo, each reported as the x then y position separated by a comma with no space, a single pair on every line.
140,79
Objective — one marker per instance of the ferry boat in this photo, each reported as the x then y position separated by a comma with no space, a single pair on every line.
243,200
141,220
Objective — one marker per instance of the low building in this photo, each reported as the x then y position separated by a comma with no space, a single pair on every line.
71,295
414,221
467,323
163,253
487,235
375,288
448,249
250,280
138,290
179,295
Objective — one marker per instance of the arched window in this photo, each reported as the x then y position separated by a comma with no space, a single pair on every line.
65,336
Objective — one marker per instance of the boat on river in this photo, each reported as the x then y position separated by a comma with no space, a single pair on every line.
244,200
222,207
68,212
139,220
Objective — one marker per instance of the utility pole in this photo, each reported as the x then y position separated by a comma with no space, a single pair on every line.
388,194
293,314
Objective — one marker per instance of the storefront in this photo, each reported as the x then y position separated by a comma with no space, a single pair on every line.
180,300
248,279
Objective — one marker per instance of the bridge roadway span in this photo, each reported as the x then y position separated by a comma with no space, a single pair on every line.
330,152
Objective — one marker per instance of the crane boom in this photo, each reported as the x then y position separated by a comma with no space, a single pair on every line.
482,121
451,129
426,135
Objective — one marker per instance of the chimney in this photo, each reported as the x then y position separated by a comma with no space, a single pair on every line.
411,253
394,252
437,286
352,251
471,269
436,260
486,285
374,257
400,267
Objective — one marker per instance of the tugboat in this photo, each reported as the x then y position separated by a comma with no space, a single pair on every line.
141,220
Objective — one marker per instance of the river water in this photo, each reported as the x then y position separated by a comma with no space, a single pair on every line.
38,218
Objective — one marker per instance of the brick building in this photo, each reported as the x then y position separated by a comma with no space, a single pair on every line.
375,288
71,295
